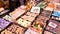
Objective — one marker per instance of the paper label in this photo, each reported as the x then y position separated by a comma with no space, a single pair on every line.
53,25
35,9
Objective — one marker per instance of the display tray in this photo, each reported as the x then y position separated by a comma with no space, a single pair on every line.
53,26
14,29
44,18
47,32
4,24
31,31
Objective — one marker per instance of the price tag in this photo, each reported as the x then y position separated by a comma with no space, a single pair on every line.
53,25
35,9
